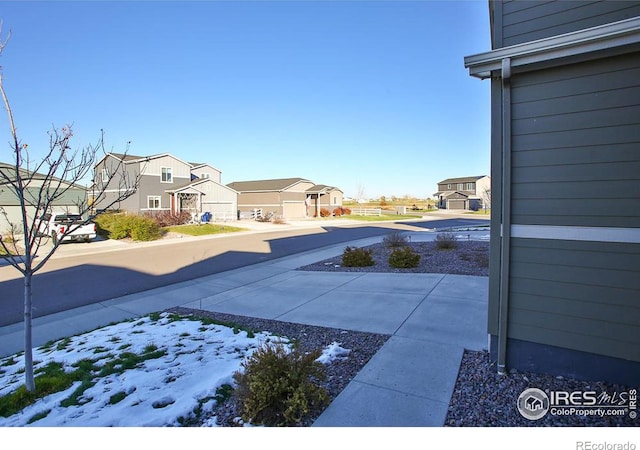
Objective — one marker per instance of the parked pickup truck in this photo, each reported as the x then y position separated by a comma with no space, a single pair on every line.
57,224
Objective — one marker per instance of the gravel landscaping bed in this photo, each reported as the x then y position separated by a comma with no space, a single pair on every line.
469,258
482,398
362,347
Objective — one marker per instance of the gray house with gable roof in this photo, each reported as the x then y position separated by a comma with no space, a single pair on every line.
166,183
467,193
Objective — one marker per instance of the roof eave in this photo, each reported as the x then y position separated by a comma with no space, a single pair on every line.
616,35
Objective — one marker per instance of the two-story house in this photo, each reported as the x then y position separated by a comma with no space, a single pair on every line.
164,182
468,193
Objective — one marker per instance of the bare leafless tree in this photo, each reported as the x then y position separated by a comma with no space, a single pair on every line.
486,199
360,193
38,186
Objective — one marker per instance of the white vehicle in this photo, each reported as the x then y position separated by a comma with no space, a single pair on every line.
67,227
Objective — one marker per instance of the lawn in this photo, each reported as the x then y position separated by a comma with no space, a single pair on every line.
204,229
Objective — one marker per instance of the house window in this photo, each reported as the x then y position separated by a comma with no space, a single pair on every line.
469,186
205,176
460,186
105,175
448,186
166,175
153,202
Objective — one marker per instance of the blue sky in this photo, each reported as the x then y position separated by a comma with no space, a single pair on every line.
368,95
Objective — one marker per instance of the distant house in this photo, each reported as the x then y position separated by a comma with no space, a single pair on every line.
286,197
468,193
166,183
73,200
564,285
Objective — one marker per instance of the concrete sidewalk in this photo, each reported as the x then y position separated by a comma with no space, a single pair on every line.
431,318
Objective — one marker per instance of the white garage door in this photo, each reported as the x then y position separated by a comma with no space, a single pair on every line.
221,211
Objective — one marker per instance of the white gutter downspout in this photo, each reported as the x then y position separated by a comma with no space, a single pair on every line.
505,227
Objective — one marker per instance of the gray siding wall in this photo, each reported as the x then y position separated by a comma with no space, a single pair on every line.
119,172
74,200
576,138
524,21
578,295
576,162
151,185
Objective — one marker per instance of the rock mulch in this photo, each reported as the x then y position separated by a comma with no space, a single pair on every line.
483,398
468,258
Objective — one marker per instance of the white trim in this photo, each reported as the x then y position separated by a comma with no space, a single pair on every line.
154,197
110,191
260,205
576,233
582,42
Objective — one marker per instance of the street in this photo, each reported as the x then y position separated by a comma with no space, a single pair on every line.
74,281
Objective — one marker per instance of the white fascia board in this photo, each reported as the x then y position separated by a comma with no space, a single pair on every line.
589,40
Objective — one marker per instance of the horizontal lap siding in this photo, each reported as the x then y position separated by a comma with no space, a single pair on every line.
580,295
576,145
525,21
576,162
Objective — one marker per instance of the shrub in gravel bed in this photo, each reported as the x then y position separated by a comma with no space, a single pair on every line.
446,241
404,258
357,257
395,240
278,387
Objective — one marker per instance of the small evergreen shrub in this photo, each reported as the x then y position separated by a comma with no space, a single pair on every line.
280,388
105,222
404,258
121,226
395,240
357,257
324,212
144,229
446,241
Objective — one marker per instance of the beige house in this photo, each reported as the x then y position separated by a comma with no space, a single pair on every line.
467,193
286,197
